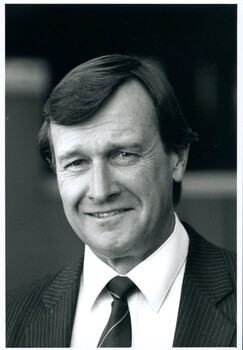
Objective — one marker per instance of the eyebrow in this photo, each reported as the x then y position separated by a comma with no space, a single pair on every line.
75,152
111,147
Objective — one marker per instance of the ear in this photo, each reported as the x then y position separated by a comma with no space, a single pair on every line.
179,162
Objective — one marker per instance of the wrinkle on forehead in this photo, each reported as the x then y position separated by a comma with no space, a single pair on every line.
100,130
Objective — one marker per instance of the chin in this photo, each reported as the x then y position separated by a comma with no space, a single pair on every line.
112,251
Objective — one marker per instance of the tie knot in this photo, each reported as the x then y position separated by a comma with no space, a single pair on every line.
120,287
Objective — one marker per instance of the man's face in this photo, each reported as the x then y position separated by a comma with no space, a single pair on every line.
115,178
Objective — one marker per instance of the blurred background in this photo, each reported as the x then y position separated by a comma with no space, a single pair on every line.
197,45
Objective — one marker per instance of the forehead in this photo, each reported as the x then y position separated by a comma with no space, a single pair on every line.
128,113
130,103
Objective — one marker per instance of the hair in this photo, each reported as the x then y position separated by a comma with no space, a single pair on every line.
81,93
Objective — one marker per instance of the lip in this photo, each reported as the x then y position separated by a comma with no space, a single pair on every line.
106,214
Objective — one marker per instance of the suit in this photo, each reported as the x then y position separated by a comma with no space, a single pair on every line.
42,315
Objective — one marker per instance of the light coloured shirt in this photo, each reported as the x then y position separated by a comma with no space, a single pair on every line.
153,307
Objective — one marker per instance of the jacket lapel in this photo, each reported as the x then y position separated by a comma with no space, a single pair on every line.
206,283
53,327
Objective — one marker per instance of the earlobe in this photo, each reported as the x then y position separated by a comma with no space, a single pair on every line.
179,161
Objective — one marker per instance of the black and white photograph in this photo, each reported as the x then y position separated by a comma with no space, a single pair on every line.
121,166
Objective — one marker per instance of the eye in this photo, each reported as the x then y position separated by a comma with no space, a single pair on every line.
125,158
77,164
124,154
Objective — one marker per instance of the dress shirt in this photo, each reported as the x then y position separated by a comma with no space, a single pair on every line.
153,307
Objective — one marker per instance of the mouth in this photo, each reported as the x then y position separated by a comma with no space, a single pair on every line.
106,214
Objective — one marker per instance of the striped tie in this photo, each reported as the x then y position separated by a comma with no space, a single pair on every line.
117,332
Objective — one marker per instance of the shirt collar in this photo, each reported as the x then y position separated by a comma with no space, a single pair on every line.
153,276
96,274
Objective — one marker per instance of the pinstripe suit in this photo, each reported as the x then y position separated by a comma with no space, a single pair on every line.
41,315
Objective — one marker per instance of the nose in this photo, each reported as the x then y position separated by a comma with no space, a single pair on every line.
102,184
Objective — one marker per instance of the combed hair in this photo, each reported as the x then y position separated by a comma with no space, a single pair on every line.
81,93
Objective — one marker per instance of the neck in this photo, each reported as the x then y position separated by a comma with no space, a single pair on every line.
122,265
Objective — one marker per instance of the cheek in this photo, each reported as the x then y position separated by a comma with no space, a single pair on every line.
69,191
141,182
150,175
156,184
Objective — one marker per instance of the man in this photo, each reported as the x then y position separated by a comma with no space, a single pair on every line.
115,135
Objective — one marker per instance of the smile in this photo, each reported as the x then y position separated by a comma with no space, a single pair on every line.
107,214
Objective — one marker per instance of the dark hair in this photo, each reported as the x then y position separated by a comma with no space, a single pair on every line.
85,88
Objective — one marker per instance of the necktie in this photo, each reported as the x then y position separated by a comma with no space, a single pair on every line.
117,332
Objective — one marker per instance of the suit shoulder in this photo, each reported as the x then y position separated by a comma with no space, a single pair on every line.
25,304
38,287
24,292
202,242
204,254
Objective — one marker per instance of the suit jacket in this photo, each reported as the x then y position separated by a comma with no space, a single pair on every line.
42,315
